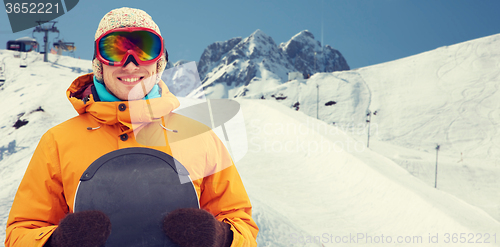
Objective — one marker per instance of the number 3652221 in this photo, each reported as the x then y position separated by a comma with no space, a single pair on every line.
32,8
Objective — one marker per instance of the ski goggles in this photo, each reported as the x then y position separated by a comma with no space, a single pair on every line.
115,47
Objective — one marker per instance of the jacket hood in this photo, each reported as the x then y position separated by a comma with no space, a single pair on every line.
135,112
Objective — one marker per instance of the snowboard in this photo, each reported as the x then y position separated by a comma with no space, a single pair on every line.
136,188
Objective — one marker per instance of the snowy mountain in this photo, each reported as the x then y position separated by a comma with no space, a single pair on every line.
315,183
234,67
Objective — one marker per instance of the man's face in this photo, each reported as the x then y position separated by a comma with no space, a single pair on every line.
129,82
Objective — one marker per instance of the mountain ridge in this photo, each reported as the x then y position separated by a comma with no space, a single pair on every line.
228,67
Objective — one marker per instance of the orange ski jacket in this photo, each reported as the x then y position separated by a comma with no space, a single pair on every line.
47,191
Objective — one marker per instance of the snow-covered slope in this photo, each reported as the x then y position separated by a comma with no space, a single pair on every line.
332,187
447,97
455,86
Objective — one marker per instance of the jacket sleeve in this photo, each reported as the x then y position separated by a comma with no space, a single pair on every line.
39,203
224,195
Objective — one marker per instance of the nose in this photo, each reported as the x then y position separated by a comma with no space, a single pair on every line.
130,67
130,59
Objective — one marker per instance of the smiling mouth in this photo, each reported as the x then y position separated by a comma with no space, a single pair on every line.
132,79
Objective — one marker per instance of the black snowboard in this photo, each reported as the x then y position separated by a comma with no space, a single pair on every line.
136,188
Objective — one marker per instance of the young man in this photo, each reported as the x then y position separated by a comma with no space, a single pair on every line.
124,104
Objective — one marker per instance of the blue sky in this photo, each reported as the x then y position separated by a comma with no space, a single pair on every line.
366,32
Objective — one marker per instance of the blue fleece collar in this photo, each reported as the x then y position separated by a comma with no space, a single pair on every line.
106,96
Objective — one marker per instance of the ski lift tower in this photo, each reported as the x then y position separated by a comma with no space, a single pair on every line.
46,30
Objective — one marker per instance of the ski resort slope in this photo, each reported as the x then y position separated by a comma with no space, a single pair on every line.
329,185
447,97
450,96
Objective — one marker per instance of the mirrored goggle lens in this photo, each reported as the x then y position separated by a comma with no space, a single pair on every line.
114,46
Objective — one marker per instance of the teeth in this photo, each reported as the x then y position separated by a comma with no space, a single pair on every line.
130,79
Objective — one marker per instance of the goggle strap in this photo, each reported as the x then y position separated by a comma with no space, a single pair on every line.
95,51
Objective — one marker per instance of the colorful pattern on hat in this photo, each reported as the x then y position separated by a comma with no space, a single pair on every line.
125,17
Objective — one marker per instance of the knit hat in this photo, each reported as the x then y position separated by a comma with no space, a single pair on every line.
126,17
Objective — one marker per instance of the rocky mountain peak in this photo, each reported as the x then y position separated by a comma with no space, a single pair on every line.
214,53
301,43
259,34
257,44
303,37
238,62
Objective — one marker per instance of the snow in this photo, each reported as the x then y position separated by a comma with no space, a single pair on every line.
328,183
448,96
313,182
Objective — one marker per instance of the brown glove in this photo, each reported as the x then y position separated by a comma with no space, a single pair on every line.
191,227
82,229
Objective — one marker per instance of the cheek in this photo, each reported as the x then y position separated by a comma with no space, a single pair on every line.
107,71
152,69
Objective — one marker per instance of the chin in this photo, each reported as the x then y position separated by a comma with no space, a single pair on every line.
137,92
